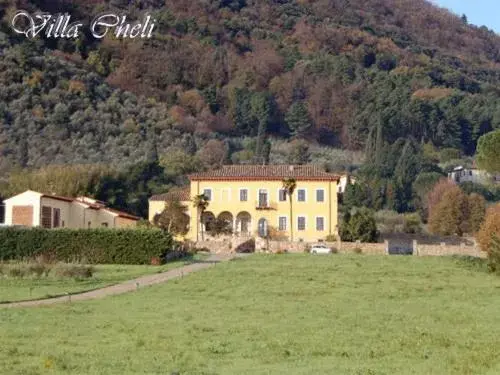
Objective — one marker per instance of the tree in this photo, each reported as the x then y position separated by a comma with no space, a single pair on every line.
289,185
436,194
488,155
450,215
200,202
489,228
477,212
174,218
298,119
359,226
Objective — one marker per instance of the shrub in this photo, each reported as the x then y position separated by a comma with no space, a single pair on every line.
331,238
494,255
94,246
412,224
73,271
360,226
358,250
489,229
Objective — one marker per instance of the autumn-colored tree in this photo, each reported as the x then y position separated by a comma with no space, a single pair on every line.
489,228
436,194
476,211
213,154
449,216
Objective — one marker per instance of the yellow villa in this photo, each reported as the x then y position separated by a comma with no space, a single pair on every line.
251,198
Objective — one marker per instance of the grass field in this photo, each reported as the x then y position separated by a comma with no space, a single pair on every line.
288,314
19,289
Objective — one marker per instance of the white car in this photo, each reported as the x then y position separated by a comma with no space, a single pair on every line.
321,249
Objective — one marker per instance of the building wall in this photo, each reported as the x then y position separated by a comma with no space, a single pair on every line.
226,198
155,208
29,198
64,207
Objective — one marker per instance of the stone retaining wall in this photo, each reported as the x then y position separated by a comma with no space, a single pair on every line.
229,244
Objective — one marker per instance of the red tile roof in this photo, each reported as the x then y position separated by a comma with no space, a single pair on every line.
182,195
266,172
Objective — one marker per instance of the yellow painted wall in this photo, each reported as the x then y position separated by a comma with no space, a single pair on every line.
226,198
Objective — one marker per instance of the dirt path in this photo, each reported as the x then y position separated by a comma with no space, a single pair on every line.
127,286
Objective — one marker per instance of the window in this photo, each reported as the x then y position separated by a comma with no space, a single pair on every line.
46,217
320,224
244,195
105,225
57,218
301,195
282,195
263,202
282,224
301,223
208,194
320,195
89,224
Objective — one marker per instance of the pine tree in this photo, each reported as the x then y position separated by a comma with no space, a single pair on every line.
298,119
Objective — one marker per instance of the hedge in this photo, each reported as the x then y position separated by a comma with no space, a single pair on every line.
92,246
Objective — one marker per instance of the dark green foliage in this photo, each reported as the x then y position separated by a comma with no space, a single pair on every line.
92,246
359,226
488,155
298,119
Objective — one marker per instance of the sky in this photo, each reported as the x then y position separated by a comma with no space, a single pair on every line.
478,12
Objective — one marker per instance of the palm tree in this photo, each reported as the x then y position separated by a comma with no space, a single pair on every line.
289,185
200,202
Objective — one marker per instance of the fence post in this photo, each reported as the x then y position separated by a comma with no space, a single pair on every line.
386,242
415,248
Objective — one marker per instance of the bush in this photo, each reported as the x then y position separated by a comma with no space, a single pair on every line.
412,224
91,246
494,255
331,238
74,272
360,226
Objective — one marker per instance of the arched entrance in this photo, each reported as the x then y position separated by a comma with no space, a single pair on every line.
244,224
207,220
226,220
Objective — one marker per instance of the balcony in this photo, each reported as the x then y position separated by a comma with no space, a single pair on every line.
266,206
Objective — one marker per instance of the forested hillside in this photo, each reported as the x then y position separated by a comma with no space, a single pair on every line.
242,81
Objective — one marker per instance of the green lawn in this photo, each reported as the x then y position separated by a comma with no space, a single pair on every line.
14,289
288,314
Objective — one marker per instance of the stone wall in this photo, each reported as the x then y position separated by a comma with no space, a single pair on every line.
229,244
444,250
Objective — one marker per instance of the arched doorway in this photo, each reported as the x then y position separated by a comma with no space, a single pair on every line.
263,228
244,224
207,220
226,219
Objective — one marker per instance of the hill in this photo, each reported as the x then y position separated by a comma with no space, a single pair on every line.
254,81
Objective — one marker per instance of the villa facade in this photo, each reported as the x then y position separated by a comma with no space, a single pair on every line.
252,201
